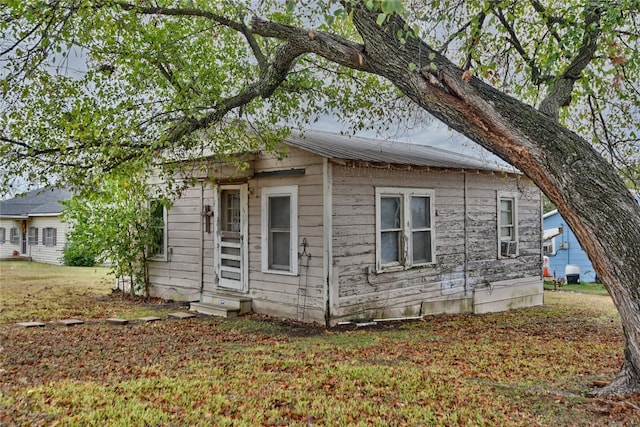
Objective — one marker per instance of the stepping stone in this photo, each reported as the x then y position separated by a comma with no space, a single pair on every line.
150,318
116,321
31,324
181,315
71,322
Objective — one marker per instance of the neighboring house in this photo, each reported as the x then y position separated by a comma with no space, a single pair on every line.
562,248
30,226
349,229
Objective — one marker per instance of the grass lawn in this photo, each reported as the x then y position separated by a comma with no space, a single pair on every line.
31,291
584,288
518,368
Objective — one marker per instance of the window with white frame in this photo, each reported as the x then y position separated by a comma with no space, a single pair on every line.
158,230
549,246
14,236
3,235
280,229
507,225
49,236
405,235
32,235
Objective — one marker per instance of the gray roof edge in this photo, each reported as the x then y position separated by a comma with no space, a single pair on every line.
336,146
38,202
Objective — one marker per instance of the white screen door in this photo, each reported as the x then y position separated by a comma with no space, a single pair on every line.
232,239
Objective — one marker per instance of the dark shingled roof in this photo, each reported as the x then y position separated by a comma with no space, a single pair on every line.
335,146
43,201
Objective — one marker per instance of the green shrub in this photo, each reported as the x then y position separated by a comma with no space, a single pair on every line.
77,255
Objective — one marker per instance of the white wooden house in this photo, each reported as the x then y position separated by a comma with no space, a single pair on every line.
350,229
30,226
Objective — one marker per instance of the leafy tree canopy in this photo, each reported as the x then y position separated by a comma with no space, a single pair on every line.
113,224
88,86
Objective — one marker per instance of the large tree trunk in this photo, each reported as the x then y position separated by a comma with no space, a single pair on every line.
586,189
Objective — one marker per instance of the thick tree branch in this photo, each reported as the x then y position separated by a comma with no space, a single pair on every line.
185,12
569,171
297,42
550,20
327,45
275,74
560,94
12,141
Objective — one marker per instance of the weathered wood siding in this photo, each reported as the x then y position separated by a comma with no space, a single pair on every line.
179,277
186,271
38,252
467,274
466,253
297,297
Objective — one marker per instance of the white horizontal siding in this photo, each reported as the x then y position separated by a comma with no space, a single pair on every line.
38,252
7,248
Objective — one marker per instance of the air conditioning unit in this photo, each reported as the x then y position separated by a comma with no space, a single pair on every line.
509,249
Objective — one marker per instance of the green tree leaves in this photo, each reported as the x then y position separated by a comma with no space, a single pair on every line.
112,223
88,86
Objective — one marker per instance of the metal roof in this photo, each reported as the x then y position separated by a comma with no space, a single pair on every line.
43,201
335,146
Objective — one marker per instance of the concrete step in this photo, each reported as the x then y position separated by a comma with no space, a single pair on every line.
231,302
213,309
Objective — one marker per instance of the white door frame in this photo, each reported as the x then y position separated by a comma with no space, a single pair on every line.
228,282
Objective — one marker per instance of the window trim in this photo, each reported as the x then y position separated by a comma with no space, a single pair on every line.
512,196
14,235
160,256
3,235
32,236
280,191
49,241
551,244
406,227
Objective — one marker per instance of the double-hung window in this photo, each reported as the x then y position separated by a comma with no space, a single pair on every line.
32,237
14,235
405,235
507,225
280,229
3,235
158,230
49,236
